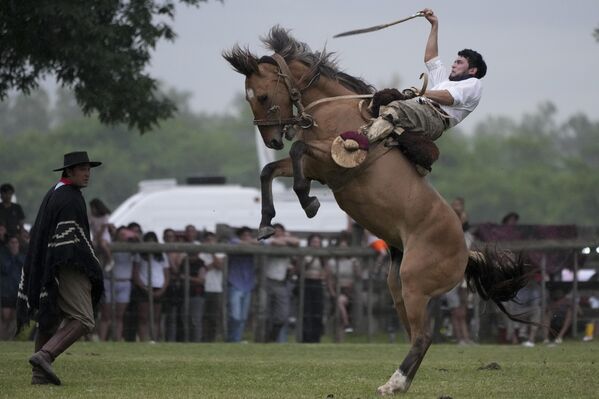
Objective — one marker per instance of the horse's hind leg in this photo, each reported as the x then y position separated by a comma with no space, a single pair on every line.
394,284
415,304
269,172
301,185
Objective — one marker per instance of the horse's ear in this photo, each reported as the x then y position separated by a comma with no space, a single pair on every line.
242,60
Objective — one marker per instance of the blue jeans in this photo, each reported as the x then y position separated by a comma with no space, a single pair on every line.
238,308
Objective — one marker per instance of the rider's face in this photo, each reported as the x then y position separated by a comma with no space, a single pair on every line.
461,68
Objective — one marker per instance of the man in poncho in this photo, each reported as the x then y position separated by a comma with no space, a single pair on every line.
62,282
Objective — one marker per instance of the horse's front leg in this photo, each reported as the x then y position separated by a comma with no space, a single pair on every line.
269,172
301,185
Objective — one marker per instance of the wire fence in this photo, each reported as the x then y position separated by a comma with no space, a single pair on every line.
367,290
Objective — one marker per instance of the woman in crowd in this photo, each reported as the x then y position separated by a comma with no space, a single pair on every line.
11,265
173,299
315,275
150,277
343,270
117,295
100,231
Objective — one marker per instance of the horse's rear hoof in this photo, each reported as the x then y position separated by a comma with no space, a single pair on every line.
265,232
312,208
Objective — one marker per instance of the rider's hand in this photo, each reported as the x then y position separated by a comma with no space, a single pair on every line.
430,16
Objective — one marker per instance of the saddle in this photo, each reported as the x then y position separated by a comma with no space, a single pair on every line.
420,151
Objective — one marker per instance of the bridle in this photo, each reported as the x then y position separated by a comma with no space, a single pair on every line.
302,119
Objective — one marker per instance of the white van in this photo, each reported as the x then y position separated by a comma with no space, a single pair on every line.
163,203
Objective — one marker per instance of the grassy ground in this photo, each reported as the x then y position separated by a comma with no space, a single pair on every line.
128,370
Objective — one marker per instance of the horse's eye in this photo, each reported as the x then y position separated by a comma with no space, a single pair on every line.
262,98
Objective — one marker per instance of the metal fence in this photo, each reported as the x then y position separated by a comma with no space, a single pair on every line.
367,256
260,254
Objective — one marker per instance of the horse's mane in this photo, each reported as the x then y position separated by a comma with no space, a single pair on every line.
322,63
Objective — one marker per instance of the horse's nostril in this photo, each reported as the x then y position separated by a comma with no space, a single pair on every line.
274,143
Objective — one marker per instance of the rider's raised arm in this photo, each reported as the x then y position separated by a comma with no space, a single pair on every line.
432,48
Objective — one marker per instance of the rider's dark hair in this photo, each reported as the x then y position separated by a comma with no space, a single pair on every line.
475,60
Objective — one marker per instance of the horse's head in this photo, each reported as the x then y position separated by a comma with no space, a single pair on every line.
273,91
266,92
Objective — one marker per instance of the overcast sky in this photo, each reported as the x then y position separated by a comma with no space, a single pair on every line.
535,50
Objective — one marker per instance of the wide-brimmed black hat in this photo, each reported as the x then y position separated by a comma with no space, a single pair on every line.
77,158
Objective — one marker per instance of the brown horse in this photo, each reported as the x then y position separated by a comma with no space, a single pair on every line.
385,194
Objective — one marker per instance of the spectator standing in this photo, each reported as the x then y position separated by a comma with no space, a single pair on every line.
213,290
197,278
191,234
11,265
277,268
558,316
11,214
23,240
173,299
100,231
118,296
510,219
343,270
316,274
157,264
527,305
136,229
3,235
240,283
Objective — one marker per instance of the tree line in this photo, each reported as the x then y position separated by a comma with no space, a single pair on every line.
544,170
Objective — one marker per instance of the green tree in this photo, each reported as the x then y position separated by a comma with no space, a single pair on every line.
99,49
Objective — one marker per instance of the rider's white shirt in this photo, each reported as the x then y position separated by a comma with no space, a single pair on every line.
466,93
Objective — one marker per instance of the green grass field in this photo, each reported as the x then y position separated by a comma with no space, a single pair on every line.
129,370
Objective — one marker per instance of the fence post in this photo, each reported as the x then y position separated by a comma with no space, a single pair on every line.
370,263
151,296
1,322
300,313
575,297
544,287
358,291
186,286
261,303
225,300
336,328
113,306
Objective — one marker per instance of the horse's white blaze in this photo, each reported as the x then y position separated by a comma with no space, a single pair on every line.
249,93
397,382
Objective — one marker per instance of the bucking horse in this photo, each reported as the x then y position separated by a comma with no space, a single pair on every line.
300,94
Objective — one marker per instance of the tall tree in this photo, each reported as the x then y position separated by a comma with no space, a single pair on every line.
99,49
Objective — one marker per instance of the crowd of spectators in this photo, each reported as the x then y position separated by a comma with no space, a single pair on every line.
145,292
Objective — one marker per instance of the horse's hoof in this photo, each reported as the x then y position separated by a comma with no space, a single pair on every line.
312,208
398,383
265,232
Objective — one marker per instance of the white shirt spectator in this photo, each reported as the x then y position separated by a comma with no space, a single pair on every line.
123,265
214,276
158,267
466,93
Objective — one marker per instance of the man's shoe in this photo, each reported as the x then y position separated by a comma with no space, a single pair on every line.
60,341
43,362
38,377
378,129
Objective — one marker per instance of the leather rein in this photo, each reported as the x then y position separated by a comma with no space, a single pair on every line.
302,118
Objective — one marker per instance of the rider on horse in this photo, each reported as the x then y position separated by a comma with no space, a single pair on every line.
452,96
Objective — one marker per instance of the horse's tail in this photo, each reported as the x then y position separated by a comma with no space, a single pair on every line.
497,276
